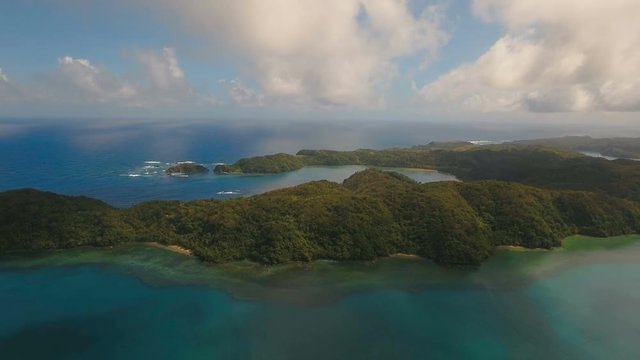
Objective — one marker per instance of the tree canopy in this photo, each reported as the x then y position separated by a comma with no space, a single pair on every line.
372,214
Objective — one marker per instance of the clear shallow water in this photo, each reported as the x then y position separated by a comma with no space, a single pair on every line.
141,302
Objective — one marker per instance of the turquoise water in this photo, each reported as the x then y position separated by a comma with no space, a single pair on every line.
140,302
136,302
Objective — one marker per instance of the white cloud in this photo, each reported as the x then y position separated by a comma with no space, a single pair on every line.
330,52
161,81
571,55
241,94
164,79
8,90
4,85
79,79
164,71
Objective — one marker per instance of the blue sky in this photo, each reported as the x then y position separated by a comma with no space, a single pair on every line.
384,59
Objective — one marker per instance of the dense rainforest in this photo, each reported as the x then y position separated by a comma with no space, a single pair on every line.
372,214
547,167
615,147
187,169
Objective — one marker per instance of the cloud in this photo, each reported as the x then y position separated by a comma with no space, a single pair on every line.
572,55
330,52
8,90
165,81
4,85
81,81
159,82
241,94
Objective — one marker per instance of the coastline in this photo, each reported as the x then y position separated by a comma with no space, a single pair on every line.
512,247
173,248
419,169
522,248
405,256
187,252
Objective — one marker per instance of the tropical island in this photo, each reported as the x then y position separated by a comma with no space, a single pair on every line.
187,168
515,195
536,165
269,164
625,148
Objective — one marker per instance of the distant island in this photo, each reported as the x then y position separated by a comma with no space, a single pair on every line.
277,163
187,168
624,148
519,195
536,165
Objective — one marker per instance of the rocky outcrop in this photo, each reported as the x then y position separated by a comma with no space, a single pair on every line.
187,169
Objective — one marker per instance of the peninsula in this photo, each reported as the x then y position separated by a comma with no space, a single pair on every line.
516,195
536,165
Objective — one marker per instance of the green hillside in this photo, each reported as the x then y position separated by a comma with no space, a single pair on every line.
372,214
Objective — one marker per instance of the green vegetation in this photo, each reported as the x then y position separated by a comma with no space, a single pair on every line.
372,214
31,220
187,169
615,147
269,164
539,166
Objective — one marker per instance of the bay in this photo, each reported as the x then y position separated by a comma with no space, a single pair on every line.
124,166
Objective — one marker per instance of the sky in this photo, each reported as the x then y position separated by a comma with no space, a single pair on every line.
569,61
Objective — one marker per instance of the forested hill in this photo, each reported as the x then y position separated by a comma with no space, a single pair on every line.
616,147
372,214
532,165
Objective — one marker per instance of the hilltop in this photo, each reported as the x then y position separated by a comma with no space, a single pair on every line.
540,166
372,214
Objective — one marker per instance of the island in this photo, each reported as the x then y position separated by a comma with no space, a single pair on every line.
187,168
515,195
624,148
269,164
536,165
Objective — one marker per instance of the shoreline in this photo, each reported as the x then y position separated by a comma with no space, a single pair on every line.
405,256
418,169
522,248
173,248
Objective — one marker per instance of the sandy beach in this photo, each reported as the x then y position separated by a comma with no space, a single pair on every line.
519,248
175,248
405,256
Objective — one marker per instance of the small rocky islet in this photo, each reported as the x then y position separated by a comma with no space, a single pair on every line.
187,168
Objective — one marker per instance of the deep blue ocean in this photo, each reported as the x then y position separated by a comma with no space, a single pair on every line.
125,165
141,302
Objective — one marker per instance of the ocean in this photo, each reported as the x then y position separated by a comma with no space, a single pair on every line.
136,301
125,165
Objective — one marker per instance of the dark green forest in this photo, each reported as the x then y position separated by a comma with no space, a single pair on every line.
539,166
616,147
276,163
372,214
187,168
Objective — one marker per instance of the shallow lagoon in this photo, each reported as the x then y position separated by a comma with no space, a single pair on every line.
136,301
